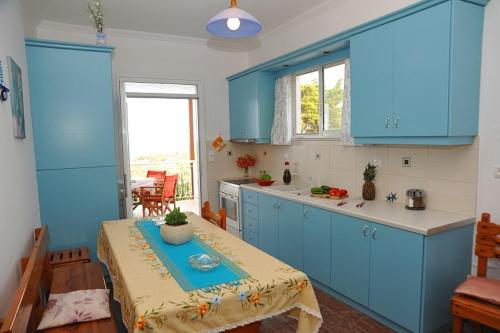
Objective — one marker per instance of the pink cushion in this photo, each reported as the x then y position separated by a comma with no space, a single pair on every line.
482,288
74,307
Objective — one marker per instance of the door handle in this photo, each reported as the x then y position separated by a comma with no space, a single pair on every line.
397,122
365,231
374,233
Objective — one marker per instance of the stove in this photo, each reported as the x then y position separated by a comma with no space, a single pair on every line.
230,200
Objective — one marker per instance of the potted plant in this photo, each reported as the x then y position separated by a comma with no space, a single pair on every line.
96,12
369,187
176,230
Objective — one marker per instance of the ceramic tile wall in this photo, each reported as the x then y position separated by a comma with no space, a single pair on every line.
449,175
221,165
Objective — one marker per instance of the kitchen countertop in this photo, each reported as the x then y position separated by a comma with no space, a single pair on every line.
425,222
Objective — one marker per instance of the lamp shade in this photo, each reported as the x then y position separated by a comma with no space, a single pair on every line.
241,24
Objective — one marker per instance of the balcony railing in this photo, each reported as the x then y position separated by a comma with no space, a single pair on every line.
185,169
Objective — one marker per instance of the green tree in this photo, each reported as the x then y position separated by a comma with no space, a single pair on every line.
334,101
309,108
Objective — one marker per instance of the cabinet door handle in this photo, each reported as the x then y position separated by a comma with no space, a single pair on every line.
397,122
387,122
365,231
275,205
306,214
279,206
374,233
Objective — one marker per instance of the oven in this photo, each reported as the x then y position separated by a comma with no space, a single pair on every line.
229,199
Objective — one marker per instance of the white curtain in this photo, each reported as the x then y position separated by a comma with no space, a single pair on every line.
281,133
345,130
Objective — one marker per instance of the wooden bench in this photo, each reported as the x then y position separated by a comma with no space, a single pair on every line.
39,279
69,257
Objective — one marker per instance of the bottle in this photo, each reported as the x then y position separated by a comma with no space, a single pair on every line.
287,176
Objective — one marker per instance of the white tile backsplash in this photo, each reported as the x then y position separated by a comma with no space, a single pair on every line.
447,174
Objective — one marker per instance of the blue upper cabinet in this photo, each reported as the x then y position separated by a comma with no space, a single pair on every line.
371,54
415,80
251,107
72,104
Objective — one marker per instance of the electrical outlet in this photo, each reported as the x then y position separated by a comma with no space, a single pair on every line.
317,156
496,172
406,162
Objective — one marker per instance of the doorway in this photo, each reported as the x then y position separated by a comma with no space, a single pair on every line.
160,134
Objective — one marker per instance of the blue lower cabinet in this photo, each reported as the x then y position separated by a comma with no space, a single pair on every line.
268,224
290,235
396,275
317,244
351,257
74,202
251,237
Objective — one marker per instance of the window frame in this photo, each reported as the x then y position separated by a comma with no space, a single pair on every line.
328,134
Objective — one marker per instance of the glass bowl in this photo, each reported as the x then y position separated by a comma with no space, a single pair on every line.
204,261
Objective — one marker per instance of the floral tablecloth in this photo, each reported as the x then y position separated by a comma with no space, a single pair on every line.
152,301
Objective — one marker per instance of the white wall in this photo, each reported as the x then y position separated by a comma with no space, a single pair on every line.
488,197
156,56
18,188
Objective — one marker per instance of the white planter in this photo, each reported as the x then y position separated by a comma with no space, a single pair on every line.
100,38
176,234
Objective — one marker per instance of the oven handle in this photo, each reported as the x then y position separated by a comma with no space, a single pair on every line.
228,196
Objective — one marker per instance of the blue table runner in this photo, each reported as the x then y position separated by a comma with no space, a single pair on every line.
175,259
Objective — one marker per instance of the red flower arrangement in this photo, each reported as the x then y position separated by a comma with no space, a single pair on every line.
245,161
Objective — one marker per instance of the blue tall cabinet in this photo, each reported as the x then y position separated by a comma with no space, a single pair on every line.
73,128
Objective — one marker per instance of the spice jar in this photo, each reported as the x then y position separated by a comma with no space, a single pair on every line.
415,199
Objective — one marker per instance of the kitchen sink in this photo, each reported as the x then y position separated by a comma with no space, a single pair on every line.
292,188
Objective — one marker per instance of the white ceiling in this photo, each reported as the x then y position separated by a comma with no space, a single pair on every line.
172,17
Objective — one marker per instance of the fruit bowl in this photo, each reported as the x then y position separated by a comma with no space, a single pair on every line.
263,182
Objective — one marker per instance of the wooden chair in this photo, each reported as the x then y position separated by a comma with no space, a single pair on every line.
472,308
219,218
170,192
159,177
156,200
39,279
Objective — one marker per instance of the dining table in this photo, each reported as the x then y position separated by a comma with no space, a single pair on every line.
137,183
159,291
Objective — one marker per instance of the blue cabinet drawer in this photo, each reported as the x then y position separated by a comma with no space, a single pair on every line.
250,197
251,237
250,210
250,224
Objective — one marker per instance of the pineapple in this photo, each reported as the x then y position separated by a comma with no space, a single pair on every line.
369,187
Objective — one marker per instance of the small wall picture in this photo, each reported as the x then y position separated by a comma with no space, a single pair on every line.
16,98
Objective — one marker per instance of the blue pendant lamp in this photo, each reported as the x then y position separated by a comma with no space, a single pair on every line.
234,23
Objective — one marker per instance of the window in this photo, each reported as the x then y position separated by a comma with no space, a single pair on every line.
319,98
